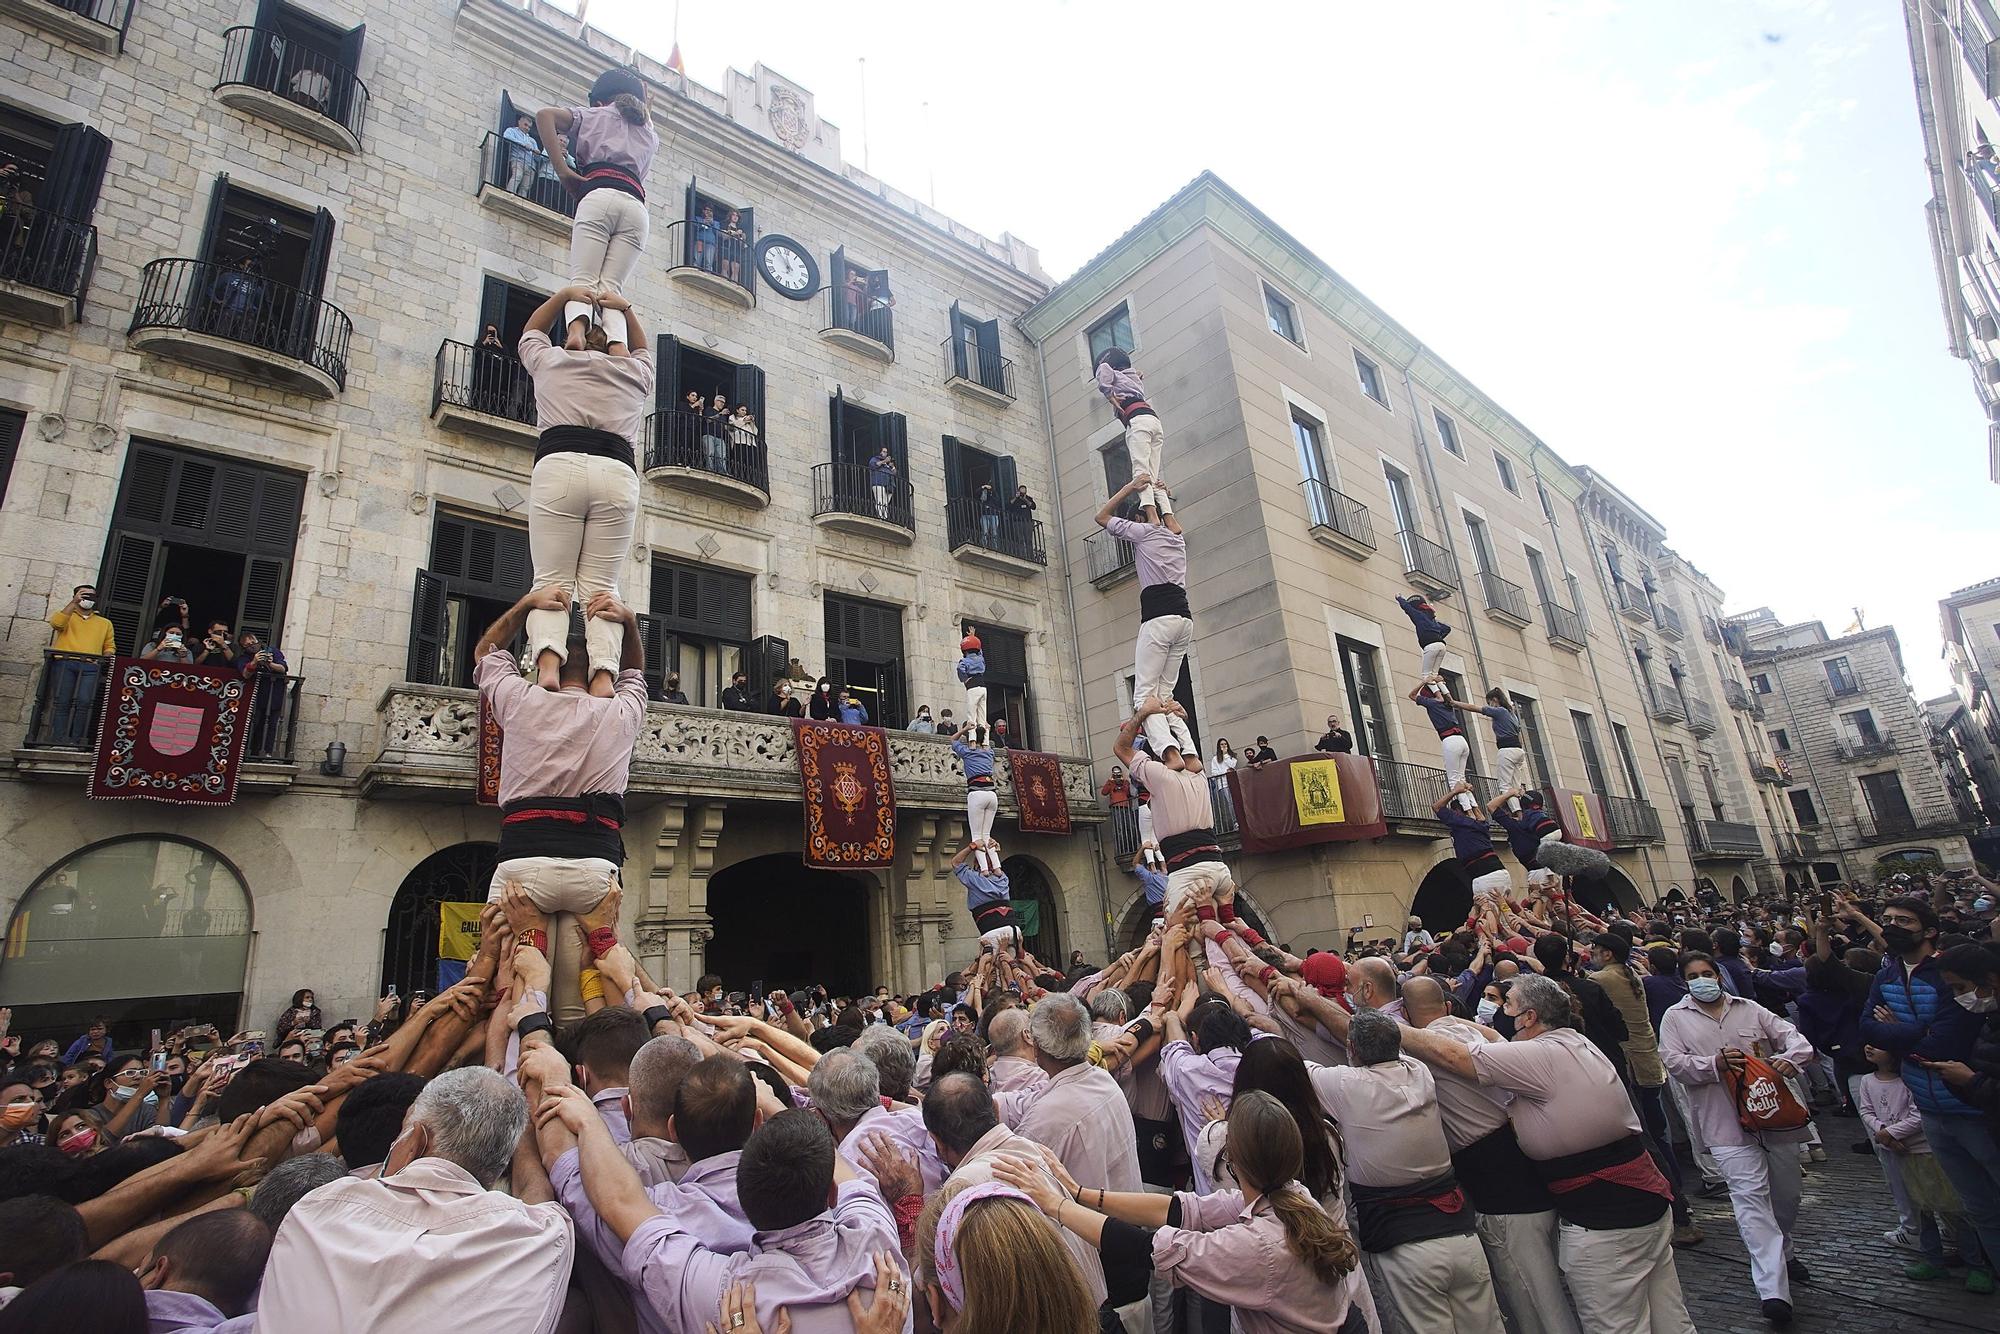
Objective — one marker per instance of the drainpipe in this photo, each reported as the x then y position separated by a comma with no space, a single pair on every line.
1429,467
1075,643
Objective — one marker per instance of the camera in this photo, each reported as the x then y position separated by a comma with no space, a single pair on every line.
258,240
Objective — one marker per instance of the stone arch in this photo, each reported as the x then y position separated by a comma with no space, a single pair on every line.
1791,884
460,873
1674,894
782,923
1443,898
1029,879
1614,890
1739,889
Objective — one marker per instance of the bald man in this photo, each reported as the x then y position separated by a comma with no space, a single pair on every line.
1372,982
1013,1069
1514,1214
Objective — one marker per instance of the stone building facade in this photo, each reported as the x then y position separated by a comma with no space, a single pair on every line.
324,455
1969,621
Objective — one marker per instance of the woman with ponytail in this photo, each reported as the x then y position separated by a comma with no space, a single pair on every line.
1266,1250
614,142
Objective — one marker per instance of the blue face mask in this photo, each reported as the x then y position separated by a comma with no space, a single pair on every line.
1707,990
1982,904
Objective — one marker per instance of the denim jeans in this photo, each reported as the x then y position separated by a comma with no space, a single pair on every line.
73,698
1965,1149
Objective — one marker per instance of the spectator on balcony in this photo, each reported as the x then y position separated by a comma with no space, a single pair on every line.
823,706
615,141
702,231
87,637
673,694
489,373
1000,734
850,710
882,472
264,667
733,241
743,433
216,648
782,702
170,645
1338,740
715,434
1020,508
1261,754
525,159
238,294
1224,761
854,299
987,505
946,724
736,697
923,722
584,491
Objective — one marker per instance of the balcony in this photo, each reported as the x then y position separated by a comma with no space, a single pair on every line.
1338,521
843,499
1863,748
60,744
1411,791
45,267
1634,822
1710,631
1726,840
1737,696
98,24
709,262
485,392
234,321
1669,622
697,456
860,324
978,372
1875,828
1735,639
1109,559
1631,601
1222,811
1774,774
1506,601
1427,565
519,183
1847,687
1796,847
1565,627
286,82
1005,541
1701,719
1666,708
430,736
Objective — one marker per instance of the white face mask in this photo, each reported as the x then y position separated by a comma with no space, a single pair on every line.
1777,950
1487,1009
1707,990
87,604
1977,1003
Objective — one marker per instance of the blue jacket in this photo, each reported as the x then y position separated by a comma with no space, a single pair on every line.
1430,630
854,714
1928,1023
978,760
972,664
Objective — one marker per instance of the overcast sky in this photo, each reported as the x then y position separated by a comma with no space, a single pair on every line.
1683,242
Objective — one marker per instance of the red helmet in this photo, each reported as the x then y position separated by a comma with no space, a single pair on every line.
969,644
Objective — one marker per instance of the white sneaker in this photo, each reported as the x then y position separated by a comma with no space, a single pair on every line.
1903,1239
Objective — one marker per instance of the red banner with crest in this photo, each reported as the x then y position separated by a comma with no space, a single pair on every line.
1038,792
171,731
850,800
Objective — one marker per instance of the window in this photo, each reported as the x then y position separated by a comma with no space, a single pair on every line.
1313,466
1117,460
1859,728
725,247
1586,741
967,471
1548,509
477,570
1530,714
1760,683
1114,330
686,439
280,246
1448,434
1627,759
1780,738
1714,793
862,301
1284,318
697,624
1887,803
1364,699
1840,676
301,57
215,531
975,352
1371,379
61,168
864,653
857,434
11,426
1644,659
1538,574
1481,542
1505,467
1008,692
1402,502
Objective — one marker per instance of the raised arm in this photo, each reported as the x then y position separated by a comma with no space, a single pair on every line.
1121,745
550,311
613,1187
1109,510
551,124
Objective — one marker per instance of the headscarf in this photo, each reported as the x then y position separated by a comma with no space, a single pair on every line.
944,1251
1326,973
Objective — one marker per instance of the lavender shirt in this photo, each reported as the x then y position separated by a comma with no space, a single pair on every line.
1159,552
561,743
1011,1074
602,134
905,1126
807,1269
1082,1117
1235,1255
1192,1078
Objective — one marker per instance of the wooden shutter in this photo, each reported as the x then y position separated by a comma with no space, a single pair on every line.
11,426
896,431
767,657
429,624
1005,479
350,48
667,378
747,219
492,308
142,492
131,565
653,642
76,172
689,212
218,200
836,410
959,325
1006,655
836,272
508,114
749,391
261,607
709,604
954,470
312,278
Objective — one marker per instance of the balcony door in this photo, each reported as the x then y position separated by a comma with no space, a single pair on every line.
1888,804
1402,501
864,653
215,531
61,166
698,628
1007,689
1586,741
1315,467
857,434
966,471
684,368
1530,714
731,256
477,570
1367,714
975,350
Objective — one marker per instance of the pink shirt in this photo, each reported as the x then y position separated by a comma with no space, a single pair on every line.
1011,1074
1471,1110
1192,1079
702,1204
427,1248
1084,1119
1236,1255
594,389
560,743
1691,1043
905,1126
1886,1104
976,1168
1180,800
1388,1118
1567,1096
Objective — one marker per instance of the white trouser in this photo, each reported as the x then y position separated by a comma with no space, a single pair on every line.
1157,656
1521,1252
559,885
1512,765
1181,882
1146,445
975,708
582,511
605,242
1907,1215
981,804
1146,824
881,494
1764,1186
1440,1284
1433,655
1494,884
1623,1280
1456,751
1004,941
1543,878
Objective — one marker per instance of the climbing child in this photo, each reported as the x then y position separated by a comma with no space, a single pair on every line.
1431,631
614,142
982,801
1145,439
972,675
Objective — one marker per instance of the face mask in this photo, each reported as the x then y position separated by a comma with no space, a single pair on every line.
1777,950
1900,939
87,604
123,1092
1982,905
1487,1009
81,1141
1977,1003
15,1115
1707,990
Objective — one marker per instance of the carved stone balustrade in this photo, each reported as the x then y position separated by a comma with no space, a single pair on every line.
430,743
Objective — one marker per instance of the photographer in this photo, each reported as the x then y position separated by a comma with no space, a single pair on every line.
215,650
169,642
264,667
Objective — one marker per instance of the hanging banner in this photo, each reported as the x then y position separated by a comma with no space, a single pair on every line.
1312,799
1038,792
172,732
850,800
1581,815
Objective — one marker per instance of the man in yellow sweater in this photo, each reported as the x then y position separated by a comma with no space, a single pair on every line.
81,632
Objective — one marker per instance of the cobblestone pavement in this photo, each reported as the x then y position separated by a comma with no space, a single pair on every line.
1857,1284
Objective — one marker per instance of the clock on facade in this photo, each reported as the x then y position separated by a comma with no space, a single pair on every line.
788,267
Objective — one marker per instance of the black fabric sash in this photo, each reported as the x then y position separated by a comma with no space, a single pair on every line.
1157,600
1592,1201
1498,1177
569,827
1392,1216
585,440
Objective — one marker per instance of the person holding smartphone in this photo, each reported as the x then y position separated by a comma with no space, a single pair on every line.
264,667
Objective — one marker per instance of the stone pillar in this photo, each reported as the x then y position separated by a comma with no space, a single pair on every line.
656,908
675,929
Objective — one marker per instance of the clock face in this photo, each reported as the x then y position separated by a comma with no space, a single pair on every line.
788,267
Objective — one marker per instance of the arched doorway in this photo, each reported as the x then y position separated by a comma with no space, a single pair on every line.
1612,891
1791,884
148,931
1443,900
1138,920
1739,890
1028,884
781,923
461,873
1675,894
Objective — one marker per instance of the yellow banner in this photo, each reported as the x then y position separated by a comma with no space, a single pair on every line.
458,930
1581,805
1316,792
